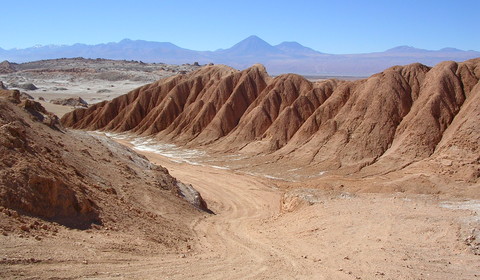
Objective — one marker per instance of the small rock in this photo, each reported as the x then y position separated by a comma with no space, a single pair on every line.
446,162
85,262
72,101
26,86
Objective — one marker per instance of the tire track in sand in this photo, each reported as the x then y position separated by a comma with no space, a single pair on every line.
229,244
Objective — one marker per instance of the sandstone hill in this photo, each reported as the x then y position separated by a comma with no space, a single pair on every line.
403,116
51,177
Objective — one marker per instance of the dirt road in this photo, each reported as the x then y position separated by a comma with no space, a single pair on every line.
339,236
231,242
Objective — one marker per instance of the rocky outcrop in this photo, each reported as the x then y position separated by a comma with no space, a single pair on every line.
75,179
190,194
392,119
24,95
72,101
25,86
7,67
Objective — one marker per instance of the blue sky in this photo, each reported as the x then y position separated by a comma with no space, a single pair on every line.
328,26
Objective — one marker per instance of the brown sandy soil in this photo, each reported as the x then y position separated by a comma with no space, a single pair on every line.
257,233
260,234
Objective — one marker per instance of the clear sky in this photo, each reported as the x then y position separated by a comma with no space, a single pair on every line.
335,26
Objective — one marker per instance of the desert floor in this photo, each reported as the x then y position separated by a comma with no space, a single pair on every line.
258,233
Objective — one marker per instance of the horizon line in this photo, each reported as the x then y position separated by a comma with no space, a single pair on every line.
255,36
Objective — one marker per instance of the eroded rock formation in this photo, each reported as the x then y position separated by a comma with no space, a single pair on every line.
393,118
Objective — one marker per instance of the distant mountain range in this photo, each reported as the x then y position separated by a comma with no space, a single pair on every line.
287,57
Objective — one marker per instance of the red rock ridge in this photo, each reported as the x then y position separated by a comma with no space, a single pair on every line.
396,117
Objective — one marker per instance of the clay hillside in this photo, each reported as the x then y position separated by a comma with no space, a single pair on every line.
393,120
52,180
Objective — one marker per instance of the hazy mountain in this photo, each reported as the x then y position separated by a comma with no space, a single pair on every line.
296,49
125,49
251,46
283,58
450,50
405,49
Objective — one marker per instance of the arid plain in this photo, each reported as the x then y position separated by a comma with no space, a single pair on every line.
376,178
